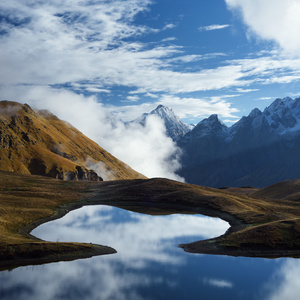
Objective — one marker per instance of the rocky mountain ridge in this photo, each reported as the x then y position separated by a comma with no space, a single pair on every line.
175,128
37,142
259,150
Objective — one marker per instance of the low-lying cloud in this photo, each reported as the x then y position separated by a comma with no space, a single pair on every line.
147,149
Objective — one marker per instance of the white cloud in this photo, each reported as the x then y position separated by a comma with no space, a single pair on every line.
285,284
119,276
241,90
169,39
200,108
194,57
213,27
184,107
146,149
275,20
138,231
169,26
83,44
219,283
132,98
265,98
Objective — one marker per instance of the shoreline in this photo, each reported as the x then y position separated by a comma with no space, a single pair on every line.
258,227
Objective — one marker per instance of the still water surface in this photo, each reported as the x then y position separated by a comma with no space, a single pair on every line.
148,265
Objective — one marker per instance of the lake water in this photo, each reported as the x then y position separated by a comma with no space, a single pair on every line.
148,265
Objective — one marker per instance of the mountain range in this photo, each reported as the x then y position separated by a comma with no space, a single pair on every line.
37,142
259,150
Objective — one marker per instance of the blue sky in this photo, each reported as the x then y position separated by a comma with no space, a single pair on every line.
197,57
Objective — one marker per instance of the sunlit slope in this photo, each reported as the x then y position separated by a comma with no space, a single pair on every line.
37,142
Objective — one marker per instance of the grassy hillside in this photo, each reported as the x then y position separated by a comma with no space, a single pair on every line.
37,142
264,227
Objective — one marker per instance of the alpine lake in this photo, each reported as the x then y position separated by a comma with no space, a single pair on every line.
148,263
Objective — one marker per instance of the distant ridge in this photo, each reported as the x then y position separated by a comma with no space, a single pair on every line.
259,150
37,142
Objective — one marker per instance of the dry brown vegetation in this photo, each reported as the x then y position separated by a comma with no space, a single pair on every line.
37,142
265,227
25,202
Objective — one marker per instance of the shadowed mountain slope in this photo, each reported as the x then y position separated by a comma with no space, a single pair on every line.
287,190
259,150
37,142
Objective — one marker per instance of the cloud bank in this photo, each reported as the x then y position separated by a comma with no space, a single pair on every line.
147,149
275,20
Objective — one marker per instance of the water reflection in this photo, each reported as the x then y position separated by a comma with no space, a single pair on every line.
136,237
148,264
285,282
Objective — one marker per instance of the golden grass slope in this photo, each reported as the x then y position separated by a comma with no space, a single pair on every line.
37,142
25,202
261,227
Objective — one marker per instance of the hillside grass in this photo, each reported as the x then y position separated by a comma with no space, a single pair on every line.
25,202
265,227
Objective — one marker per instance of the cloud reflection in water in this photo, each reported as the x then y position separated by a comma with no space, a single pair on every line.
148,265
136,237
146,253
285,282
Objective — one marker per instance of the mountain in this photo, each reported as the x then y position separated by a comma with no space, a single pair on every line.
37,142
175,128
259,150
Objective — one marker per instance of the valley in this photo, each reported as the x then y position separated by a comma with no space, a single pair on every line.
264,222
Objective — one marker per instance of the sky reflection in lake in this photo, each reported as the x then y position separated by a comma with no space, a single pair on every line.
136,237
148,265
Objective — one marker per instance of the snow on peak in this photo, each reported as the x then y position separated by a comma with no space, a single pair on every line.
283,115
175,128
211,126
255,113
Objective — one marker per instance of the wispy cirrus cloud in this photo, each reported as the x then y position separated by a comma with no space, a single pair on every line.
213,27
78,43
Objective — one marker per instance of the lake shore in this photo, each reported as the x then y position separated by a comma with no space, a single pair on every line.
260,227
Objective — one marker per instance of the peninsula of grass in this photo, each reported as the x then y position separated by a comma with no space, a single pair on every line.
27,201
264,223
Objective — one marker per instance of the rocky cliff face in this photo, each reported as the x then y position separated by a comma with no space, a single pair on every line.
175,128
37,142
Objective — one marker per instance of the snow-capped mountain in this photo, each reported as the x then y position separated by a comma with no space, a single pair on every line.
210,126
175,128
282,116
260,149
